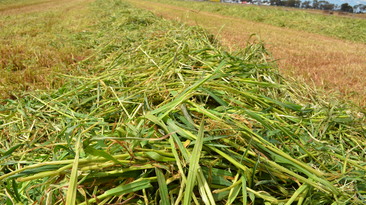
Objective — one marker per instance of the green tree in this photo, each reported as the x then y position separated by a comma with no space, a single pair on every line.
276,2
325,5
293,3
346,8
359,8
306,5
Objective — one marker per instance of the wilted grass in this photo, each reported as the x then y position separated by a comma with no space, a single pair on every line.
167,107
347,28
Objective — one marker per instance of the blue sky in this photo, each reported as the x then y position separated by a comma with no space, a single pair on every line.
350,2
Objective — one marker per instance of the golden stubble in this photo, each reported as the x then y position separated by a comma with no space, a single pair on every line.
34,46
338,66
38,6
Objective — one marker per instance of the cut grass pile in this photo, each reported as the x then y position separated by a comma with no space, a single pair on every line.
353,29
167,116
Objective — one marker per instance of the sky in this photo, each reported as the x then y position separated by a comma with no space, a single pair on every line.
350,2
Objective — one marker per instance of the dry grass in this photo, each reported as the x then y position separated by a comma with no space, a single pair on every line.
26,6
11,4
333,64
40,40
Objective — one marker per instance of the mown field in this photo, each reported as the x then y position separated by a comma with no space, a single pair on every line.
143,110
347,28
300,46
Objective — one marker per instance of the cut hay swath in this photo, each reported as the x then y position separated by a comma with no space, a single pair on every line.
169,117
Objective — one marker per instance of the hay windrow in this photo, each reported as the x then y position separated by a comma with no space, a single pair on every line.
167,107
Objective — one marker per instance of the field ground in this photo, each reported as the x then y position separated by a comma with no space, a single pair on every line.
333,64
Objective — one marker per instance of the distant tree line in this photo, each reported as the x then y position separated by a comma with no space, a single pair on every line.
319,4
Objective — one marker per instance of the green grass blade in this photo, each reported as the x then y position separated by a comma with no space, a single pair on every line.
10,151
234,192
244,189
263,196
163,189
303,188
229,158
193,167
204,188
166,109
101,153
122,189
71,191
